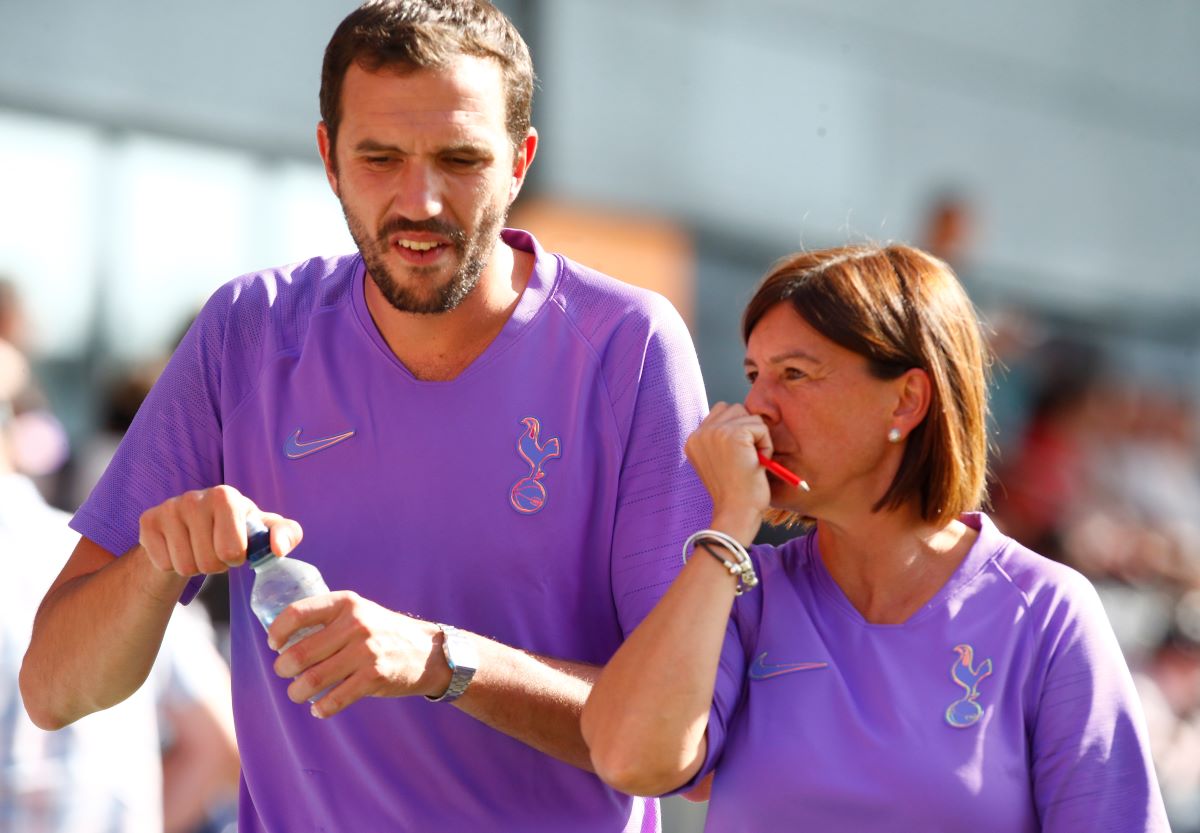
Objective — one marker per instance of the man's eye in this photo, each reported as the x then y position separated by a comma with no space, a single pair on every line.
751,375
792,373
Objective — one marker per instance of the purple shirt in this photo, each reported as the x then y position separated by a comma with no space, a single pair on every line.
1003,704
538,499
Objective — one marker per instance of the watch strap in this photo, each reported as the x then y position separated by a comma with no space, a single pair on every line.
462,658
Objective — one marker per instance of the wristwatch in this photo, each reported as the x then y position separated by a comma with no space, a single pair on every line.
462,658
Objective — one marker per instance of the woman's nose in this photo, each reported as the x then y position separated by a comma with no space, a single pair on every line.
760,402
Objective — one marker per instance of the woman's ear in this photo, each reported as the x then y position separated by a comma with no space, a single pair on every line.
914,391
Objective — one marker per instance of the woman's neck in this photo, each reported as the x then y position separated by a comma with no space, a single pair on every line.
892,563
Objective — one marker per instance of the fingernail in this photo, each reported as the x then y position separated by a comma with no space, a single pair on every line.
285,542
315,713
272,644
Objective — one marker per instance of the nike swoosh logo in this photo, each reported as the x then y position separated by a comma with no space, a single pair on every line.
760,670
293,449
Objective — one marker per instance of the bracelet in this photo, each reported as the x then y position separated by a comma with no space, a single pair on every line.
742,569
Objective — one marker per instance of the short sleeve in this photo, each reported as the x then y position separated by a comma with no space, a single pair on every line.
173,445
1091,755
660,501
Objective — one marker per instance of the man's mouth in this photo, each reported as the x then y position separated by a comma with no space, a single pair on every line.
419,251
418,245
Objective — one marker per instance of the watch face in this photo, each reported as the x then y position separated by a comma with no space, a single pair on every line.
462,658
460,651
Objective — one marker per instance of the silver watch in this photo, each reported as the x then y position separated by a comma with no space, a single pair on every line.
462,658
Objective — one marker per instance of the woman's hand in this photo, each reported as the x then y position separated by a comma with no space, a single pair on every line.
724,452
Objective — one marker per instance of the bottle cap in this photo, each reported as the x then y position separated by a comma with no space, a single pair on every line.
258,546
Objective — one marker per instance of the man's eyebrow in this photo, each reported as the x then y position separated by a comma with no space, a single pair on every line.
376,146
371,145
470,148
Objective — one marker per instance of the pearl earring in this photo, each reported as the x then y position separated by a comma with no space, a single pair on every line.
894,435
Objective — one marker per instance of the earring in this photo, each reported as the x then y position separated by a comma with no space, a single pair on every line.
894,435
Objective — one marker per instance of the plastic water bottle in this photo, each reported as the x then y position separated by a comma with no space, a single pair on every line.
278,581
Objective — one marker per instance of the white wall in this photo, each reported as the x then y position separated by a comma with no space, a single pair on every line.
795,122
1075,124
241,73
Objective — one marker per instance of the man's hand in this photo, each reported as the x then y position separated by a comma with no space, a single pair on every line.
361,650
365,650
204,531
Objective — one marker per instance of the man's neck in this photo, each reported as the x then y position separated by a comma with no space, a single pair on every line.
437,347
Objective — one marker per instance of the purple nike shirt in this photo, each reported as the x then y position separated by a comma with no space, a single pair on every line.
1003,705
538,499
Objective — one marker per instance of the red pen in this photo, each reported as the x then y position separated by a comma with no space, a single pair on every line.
783,474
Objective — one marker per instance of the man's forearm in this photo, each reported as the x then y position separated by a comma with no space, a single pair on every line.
535,699
96,634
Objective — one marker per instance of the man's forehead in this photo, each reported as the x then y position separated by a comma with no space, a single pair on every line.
464,76
467,92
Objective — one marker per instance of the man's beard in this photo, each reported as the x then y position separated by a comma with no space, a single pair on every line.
472,255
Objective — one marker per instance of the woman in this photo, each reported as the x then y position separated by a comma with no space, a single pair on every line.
904,666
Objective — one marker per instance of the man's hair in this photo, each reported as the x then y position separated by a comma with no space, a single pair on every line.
408,35
900,308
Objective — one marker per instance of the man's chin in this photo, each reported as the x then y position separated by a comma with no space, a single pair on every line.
422,298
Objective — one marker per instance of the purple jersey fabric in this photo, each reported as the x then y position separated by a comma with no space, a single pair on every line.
1002,705
538,499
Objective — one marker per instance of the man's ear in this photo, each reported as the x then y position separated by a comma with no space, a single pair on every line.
323,145
522,159
914,391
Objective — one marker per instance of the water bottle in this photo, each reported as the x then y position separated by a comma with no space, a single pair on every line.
278,581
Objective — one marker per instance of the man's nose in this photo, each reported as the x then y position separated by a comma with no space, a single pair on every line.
418,193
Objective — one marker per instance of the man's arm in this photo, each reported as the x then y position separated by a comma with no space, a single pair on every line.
365,650
99,628
96,634
534,699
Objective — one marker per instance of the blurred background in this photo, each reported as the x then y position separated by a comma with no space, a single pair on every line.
151,151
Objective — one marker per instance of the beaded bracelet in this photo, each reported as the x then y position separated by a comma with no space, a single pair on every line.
742,569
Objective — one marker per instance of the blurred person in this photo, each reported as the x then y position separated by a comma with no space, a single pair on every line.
468,429
1169,686
904,666
14,327
1014,336
1154,468
123,395
950,226
105,773
121,400
1046,479
40,446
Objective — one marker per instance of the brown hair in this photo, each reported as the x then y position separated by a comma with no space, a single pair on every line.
900,308
407,35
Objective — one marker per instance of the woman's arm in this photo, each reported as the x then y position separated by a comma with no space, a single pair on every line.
646,718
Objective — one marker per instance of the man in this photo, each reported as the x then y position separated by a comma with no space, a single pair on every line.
467,429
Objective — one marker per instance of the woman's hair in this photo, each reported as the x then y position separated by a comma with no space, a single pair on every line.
900,308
